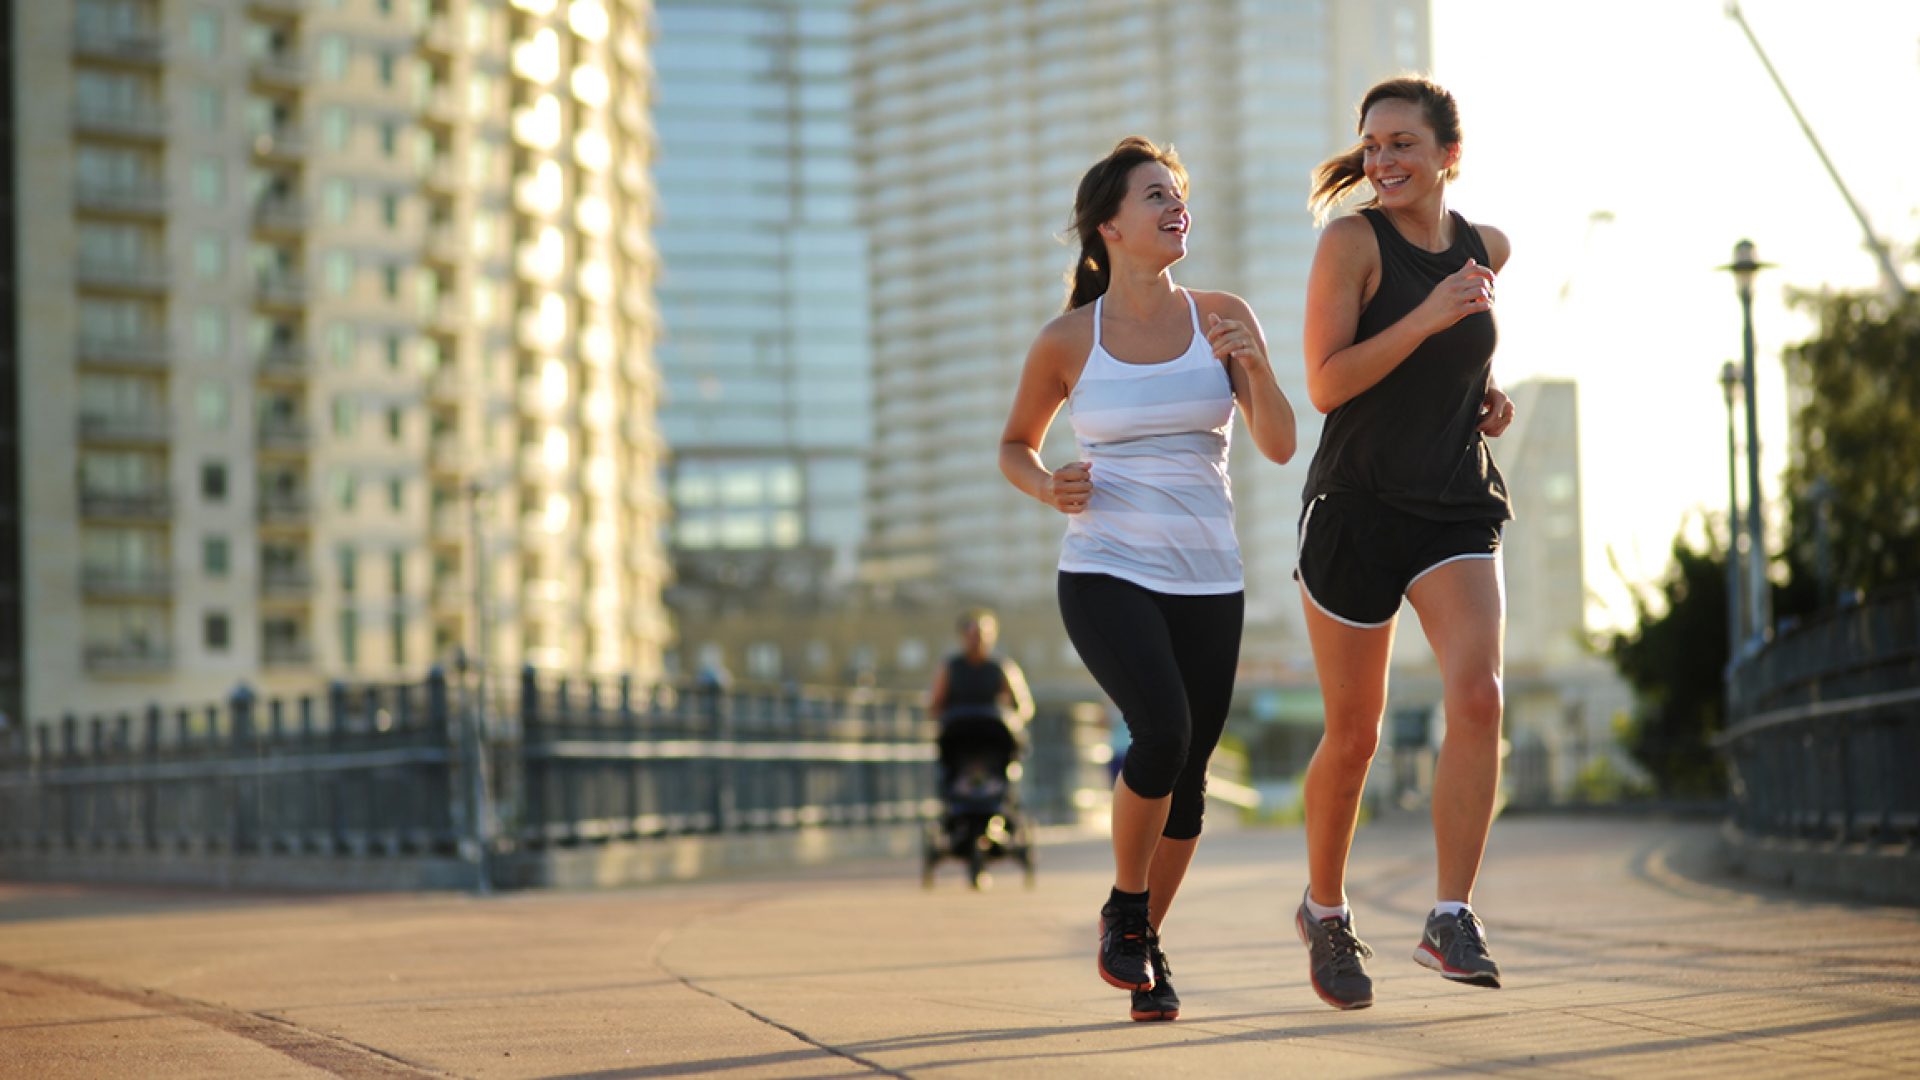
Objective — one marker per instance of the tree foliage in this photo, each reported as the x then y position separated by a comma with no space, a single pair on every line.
1856,434
1673,659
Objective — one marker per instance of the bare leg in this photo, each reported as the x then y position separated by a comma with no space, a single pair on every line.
1461,606
1164,875
1352,665
1137,822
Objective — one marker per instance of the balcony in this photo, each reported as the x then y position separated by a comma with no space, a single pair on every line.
284,508
134,45
287,361
126,583
446,455
286,435
281,288
147,352
291,9
280,70
122,119
446,243
286,583
283,143
136,275
281,213
140,199
286,653
139,428
127,657
443,173
149,504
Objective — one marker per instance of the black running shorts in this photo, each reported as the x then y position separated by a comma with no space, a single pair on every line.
1359,556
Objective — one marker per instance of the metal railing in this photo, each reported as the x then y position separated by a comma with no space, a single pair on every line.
1824,727
423,769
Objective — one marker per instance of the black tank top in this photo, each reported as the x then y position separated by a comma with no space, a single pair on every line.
1411,439
974,685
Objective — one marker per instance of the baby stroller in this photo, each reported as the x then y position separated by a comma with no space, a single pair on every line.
980,818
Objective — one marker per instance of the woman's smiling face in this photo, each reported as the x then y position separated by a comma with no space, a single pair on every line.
1402,157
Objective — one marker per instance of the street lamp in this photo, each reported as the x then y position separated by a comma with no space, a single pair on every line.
1759,610
1729,379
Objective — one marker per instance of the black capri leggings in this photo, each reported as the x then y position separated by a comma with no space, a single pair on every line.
1167,661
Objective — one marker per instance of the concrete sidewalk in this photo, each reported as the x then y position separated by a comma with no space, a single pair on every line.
1624,956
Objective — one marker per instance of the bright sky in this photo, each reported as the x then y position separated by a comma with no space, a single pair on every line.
1659,113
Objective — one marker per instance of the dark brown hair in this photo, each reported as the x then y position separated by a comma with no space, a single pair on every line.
1345,171
1101,191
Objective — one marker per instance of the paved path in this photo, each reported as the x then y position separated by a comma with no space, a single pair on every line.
1625,957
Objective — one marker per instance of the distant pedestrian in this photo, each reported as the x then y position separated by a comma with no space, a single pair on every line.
1150,579
977,694
1402,499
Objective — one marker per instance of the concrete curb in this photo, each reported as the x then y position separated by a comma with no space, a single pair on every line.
1881,873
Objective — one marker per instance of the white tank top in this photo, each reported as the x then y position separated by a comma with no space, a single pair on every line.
1161,515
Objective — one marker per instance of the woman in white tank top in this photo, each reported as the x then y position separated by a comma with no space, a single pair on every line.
1150,579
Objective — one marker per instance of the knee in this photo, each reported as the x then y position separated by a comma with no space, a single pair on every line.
1475,704
1154,762
1351,745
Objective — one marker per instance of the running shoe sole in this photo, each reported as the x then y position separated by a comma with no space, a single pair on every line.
1427,958
1300,927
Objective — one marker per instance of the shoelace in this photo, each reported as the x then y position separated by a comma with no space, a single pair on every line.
1133,931
1161,969
1467,925
1348,950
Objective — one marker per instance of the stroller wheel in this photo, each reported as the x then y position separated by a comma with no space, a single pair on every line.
1025,855
977,869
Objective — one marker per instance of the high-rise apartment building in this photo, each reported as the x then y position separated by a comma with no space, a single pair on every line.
763,299
978,118
325,305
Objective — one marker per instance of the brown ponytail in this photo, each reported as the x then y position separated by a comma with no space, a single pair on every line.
1339,175
1097,201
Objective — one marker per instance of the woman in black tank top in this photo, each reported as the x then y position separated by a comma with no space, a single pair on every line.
1402,500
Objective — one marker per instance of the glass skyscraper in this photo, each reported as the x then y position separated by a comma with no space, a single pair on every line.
763,295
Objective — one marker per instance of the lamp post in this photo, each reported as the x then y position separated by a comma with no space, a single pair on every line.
1759,610
1736,631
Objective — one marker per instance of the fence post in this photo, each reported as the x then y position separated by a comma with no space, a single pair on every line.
70,791
241,784
720,729
438,778
150,788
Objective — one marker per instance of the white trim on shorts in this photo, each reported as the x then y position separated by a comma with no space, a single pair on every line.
1443,562
1308,593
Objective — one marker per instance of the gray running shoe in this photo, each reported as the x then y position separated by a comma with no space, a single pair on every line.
1335,960
1159,1003
1456,946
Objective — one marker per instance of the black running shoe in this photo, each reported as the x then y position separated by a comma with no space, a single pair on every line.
1126,942
1456,946
1336,960
1159,1003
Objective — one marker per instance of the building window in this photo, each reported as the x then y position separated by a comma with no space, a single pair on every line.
210,181
216,631
213,404
213,482
216,556
338,199
336,127
390,281
394,348
209,255
396,494
334,53
389,139
338,271
390,210
349,638
345,490
210,331
340,344
397,568
393,422
399,639
209,108
763,660
203,29
345,416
